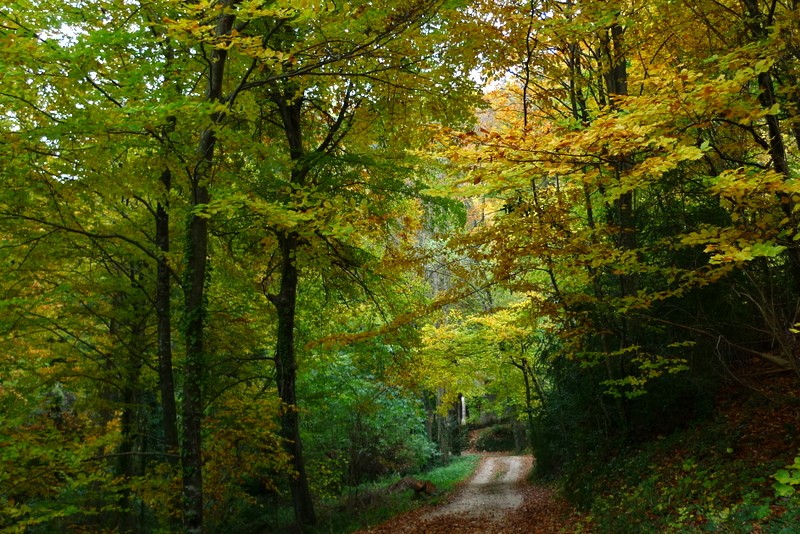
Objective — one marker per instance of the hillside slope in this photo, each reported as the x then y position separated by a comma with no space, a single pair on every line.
732,472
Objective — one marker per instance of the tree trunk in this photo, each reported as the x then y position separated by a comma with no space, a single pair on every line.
285,303
526,376
128,358
166,380
622,215
759,29
194,309
616,79
443,431
196,261
290,106
128,465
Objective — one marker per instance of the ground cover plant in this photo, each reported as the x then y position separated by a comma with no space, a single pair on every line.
734,471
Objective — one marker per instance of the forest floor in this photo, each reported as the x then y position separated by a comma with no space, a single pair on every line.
497,499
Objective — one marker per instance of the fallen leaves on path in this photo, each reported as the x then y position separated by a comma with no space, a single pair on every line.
543,512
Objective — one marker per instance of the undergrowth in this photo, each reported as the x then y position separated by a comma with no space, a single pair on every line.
370,504
734,473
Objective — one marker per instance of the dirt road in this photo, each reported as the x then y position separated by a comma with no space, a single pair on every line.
495,489
483,505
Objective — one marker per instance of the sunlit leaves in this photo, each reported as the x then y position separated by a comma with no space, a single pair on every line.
471,354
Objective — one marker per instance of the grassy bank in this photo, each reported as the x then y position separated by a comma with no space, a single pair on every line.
371,504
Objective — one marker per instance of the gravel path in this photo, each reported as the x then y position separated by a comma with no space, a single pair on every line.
494,490
482,505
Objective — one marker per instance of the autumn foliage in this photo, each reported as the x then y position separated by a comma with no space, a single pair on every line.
228,225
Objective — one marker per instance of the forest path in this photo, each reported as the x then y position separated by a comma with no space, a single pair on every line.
496,499
494,489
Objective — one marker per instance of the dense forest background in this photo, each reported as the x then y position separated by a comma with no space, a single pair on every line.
256,253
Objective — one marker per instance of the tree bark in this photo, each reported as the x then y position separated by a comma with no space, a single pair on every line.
616,79
615,73
194,309
526,370
285,303
196,262
759,29
166,379
128,465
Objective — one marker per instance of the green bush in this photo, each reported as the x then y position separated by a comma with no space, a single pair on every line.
356,429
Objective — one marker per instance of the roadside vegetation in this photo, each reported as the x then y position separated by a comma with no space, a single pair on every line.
372,503
733,470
